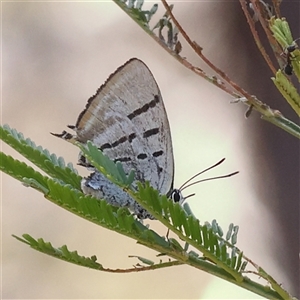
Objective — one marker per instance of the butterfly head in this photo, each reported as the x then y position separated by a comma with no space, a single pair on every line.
176,194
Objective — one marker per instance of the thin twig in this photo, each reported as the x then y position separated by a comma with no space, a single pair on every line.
255,35
276,4
198,49
268,114
143,268
266,28
220,84
271,115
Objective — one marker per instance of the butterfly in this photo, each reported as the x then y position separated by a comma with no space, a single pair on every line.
127,120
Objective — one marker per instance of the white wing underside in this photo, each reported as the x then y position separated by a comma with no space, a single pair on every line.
127,120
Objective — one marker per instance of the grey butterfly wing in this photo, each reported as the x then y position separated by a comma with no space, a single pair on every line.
127,120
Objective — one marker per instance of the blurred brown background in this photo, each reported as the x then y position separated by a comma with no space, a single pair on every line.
54,57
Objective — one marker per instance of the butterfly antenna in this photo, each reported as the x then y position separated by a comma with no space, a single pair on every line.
188,196
207,179
183,185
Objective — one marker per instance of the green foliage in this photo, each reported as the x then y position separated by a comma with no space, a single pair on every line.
282,33
61,253
20,171
135,10
288,91
65,254
207,239
113,171
211,252
144,260
143,17
51,164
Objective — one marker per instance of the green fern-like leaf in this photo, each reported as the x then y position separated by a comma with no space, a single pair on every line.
102,213
113,171
65,254
188,228
212,253
283,35
281,31
142,17
51,164
144,260
62,253
120,219
22,172
288,91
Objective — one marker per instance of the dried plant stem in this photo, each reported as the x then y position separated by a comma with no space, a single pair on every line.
256,37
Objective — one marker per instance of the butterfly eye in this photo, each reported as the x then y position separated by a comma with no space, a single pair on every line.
176,196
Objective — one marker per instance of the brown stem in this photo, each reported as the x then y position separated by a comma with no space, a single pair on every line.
255,34
143,268
196,47
276,4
